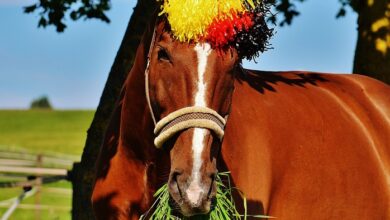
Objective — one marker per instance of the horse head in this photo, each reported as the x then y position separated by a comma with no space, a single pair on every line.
189,88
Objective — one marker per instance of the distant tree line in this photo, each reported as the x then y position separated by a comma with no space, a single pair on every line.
41,103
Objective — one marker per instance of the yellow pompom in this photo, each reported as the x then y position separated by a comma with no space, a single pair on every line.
189,19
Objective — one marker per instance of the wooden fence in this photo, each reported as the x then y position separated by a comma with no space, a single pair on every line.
30,172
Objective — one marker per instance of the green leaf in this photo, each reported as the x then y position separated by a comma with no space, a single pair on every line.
29,9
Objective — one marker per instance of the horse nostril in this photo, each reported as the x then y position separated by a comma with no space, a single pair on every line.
213,176
175,174
210,193
174,181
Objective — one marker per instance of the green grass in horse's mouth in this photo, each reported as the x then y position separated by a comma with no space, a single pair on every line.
224,206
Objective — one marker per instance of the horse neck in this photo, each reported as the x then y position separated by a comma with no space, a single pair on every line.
136,123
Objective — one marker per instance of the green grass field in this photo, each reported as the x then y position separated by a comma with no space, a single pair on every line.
59,134
41,131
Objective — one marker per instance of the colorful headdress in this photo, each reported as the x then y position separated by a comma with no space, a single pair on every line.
222,23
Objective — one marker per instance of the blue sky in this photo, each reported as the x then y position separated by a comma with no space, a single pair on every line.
72,67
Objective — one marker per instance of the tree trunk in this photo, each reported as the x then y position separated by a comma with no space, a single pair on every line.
82,175
372,55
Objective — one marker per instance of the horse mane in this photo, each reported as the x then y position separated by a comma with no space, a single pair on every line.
266,80
112,133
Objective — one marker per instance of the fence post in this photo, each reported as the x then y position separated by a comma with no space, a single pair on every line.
38,188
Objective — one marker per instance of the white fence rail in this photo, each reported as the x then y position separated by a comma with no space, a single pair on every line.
36,170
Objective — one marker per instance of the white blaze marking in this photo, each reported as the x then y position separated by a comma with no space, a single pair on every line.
202,51
195,190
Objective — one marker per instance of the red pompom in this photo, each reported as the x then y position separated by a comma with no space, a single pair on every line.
221,32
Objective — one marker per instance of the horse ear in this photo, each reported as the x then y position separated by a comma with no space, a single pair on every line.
161,26
140,56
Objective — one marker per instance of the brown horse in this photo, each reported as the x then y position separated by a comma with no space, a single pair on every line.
299,145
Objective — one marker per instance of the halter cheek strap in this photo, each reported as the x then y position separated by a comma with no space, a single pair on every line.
147,75
184,118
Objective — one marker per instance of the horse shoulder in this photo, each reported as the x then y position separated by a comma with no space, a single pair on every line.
119,189
311,141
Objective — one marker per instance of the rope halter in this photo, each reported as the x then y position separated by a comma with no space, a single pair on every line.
184,118
189,117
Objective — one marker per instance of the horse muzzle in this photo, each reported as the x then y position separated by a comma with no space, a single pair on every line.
191,199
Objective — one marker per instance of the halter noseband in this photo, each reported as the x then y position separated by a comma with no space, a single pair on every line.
189,117
184,118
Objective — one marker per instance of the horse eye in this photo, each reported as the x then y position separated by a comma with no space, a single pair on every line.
163,55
